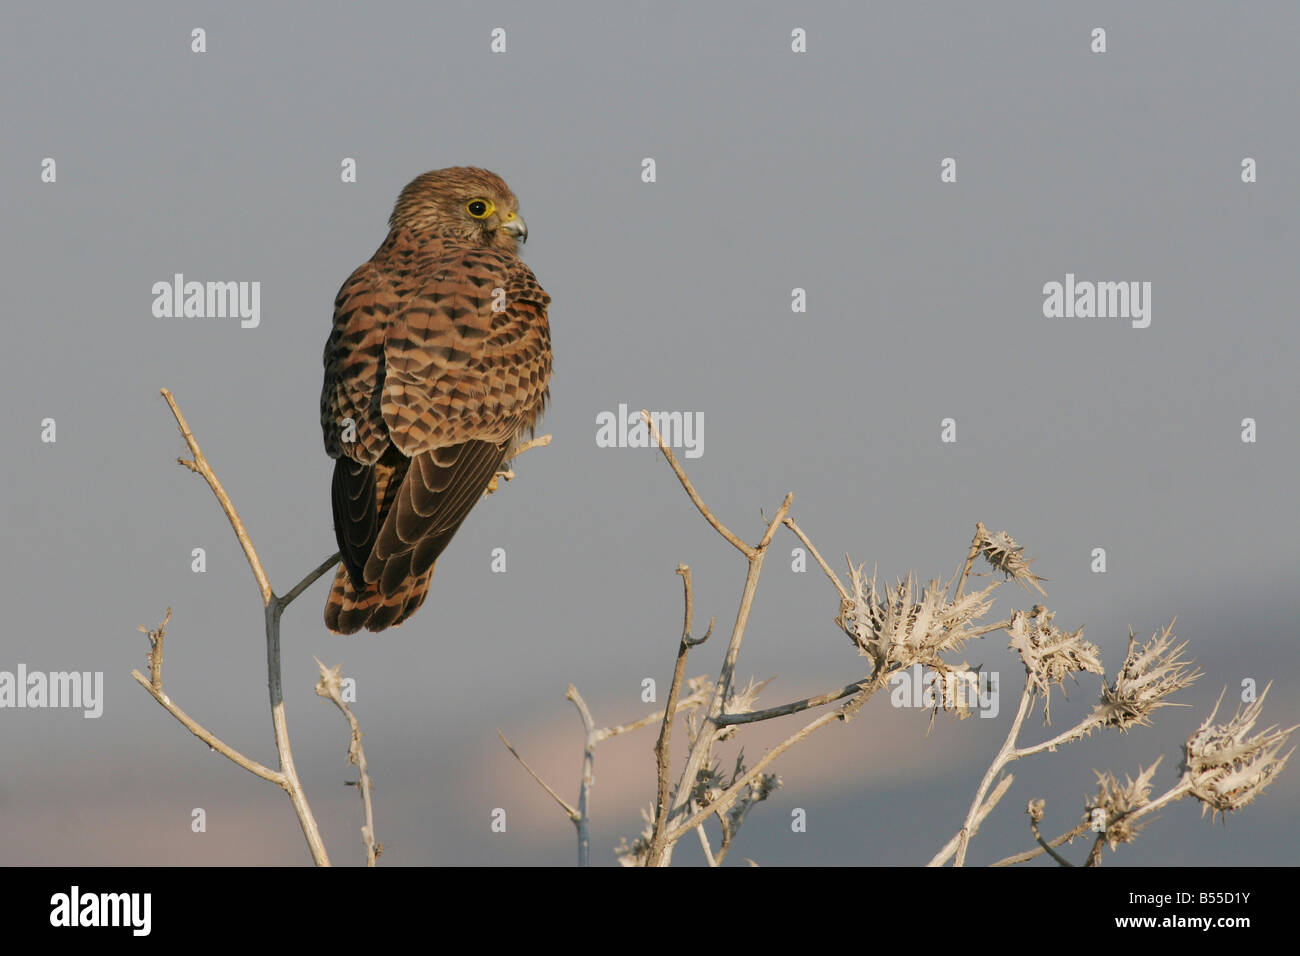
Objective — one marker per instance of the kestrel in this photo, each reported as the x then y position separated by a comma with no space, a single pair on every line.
438,362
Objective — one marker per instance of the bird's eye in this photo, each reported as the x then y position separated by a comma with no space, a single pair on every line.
480,208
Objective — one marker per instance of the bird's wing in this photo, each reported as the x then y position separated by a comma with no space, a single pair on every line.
351,420
466,365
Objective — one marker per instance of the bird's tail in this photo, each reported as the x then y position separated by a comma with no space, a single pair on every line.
348,611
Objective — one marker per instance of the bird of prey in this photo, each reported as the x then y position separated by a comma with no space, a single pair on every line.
439,361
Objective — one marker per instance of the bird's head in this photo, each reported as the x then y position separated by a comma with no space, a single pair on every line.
462,202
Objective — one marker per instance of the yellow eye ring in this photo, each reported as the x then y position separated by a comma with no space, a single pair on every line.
480,208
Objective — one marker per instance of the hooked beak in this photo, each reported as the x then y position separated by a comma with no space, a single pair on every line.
515,225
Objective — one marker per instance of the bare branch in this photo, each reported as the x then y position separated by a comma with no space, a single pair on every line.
588,777
702,747
704,844
694,700
201,466
794,707
727,675
970,558
844,594
309,580
330,686
594,736
287,776
1004,756
663,745
1044,847
1094,855
724,802
155,655
718,526
659,852
209,738
781,514
951,846
569,811
685,572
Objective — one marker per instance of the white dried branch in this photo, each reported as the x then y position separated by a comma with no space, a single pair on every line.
330,686
287,776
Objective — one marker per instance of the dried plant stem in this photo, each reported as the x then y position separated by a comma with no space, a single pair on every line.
1005,755
570,811
205,735
716,722
373,848
327,565
200,465
590,740
702,751
702,790
1009,752
732,793
844,594
1074,733
663,745
588,777
1044,846
709,516
664,834
330,686
694,700
1179,790
951,846
704,844
1047,848
1094,855
156,636
287,776
795,706
970,558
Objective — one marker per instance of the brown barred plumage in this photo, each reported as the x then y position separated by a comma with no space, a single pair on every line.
438,386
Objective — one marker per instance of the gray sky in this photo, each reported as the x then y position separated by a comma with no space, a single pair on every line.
775,170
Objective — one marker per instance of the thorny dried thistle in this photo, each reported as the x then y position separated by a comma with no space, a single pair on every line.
1001,551
907,625
743,701
711,784
756,791
330,684
1224,767
1050,655
635,853
1036,809
1149,674
955,687
699,688
1119,803
896,628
